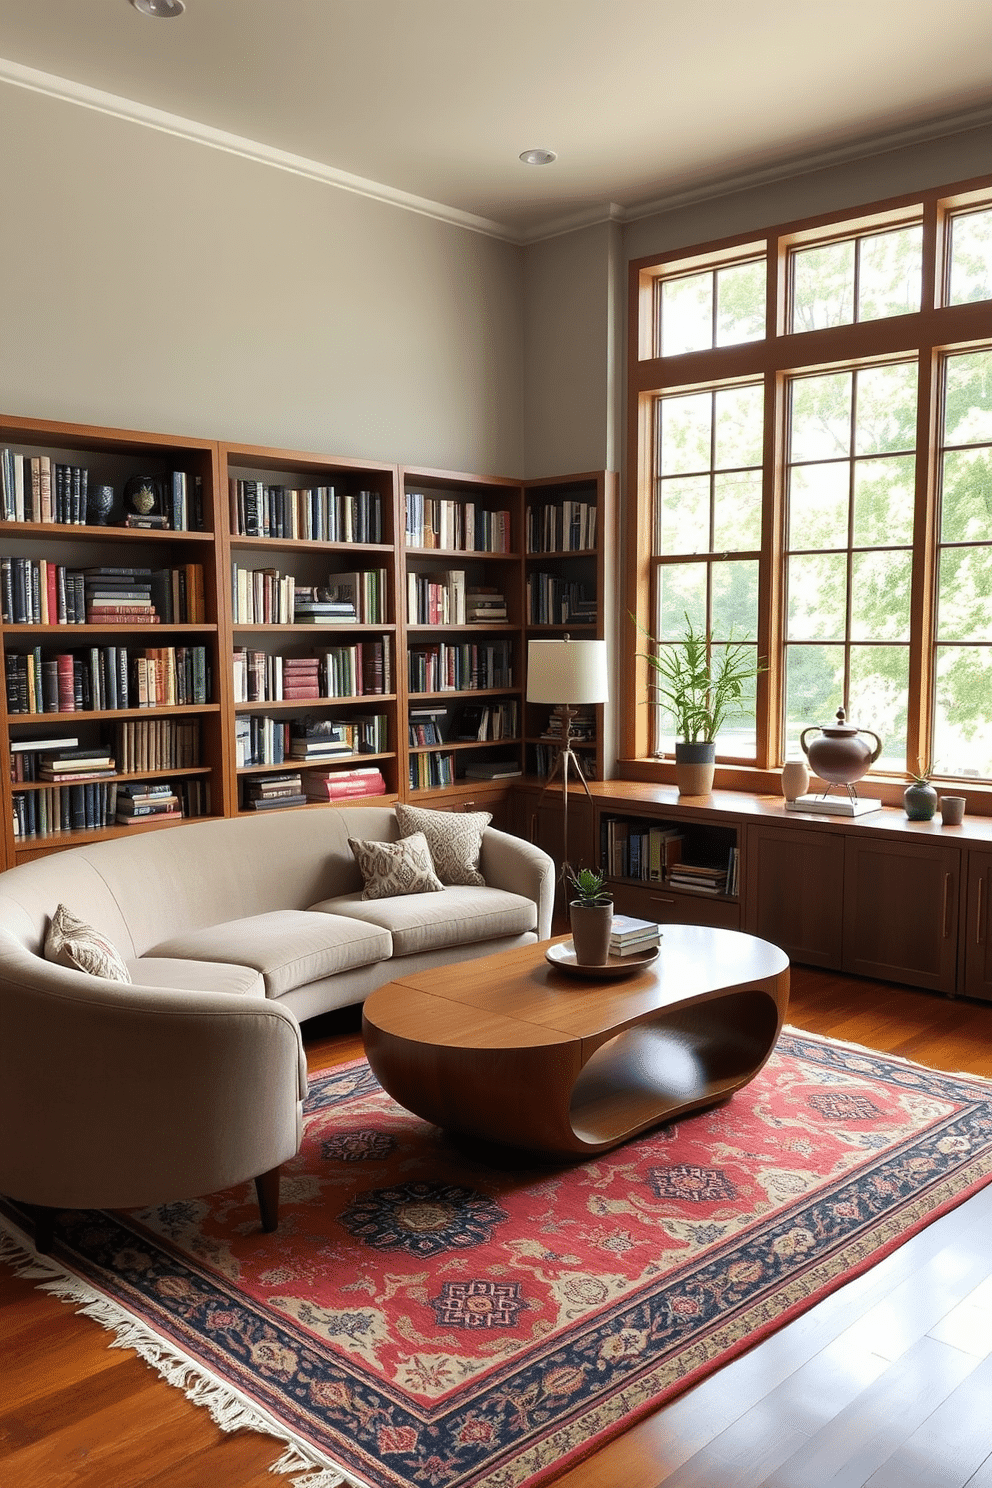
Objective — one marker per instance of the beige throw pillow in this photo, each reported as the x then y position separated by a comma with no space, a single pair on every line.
454,838
71,942
393,868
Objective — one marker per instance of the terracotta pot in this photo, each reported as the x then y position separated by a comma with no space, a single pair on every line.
694,768
592,925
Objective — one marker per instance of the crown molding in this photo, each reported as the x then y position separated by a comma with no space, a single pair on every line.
812,161
134,112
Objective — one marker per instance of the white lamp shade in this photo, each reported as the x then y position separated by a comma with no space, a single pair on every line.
567,671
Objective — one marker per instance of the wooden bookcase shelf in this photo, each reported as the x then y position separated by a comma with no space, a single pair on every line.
255,516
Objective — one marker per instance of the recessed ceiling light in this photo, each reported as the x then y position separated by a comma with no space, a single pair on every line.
533,157
160,10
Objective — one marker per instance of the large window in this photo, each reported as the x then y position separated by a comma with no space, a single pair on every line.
814,474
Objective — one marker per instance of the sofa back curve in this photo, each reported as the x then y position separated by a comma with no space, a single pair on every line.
143,889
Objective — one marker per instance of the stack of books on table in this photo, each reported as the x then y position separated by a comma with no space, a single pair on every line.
143,801
630,935
698,878
336,785
268,791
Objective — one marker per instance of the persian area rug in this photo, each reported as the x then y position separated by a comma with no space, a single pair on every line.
422,1318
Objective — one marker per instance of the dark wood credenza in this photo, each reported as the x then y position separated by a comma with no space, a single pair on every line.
876,896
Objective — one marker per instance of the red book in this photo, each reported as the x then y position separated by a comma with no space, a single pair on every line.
67,690
53,593
302,691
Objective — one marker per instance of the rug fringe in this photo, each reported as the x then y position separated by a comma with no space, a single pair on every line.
228,1407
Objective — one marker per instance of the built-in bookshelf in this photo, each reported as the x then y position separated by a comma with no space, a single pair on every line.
109,584
464,626
568,589
313,621
200,628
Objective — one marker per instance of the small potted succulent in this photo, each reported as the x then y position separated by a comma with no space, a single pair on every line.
591,917
919,797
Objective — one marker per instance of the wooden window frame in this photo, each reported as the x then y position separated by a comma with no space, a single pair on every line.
925,336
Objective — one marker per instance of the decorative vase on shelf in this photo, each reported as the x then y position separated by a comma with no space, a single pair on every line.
99,503
695,765
920,800
795,779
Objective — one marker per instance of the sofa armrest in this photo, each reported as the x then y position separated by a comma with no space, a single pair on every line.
117,1095
510,863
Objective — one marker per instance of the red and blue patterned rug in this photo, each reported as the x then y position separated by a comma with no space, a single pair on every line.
421,1317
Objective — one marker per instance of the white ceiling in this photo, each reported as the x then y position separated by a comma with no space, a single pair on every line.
432,100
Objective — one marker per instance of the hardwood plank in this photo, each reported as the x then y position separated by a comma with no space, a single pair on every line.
950,1445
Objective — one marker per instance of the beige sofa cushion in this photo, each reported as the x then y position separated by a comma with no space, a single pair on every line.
71,942
428,922
290,947
196,976
390,868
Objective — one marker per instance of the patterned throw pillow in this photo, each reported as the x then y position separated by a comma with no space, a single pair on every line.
454,838
393,868
71,942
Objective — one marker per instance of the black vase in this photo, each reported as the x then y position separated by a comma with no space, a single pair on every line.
99,503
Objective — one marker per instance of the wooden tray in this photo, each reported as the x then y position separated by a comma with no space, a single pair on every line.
563,957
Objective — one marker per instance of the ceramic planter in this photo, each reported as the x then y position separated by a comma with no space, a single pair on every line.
591,925
694,768
920,802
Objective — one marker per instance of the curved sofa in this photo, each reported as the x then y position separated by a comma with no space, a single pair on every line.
191,1077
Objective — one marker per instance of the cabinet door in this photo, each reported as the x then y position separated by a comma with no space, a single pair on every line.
795,892
901,912
669,907
977,940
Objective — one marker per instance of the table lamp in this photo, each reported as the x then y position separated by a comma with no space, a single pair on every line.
566,672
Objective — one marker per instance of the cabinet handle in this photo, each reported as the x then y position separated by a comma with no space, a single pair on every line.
947,900
979,932
662,899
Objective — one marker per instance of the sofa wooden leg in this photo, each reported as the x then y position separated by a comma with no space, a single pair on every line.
267,1189
44,1228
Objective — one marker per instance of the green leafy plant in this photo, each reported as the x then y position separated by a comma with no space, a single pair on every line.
590,886
699,684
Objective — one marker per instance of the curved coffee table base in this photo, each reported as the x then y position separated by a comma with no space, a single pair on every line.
514,1053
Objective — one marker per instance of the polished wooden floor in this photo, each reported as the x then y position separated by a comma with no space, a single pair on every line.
887,1383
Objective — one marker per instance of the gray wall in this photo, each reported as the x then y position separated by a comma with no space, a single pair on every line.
152,283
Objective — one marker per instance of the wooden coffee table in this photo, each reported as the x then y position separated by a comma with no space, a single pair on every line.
515,1052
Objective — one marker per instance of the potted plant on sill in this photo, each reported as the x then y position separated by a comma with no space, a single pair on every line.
701,685
591,917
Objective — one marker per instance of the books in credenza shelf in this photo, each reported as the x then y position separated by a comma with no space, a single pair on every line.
451,522
645,851
38,488
701,878
313,513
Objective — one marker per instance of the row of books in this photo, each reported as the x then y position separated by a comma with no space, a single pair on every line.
106,678
430,771
261,740
264,596
542,757
450,522
98,804
425,726
34,591
553,600
700,878
561,527
139,745
448,599
315,513
36,488
302,788
362,670
460,667
483,721
638,850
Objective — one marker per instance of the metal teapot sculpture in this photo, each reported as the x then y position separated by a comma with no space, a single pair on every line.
840,755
